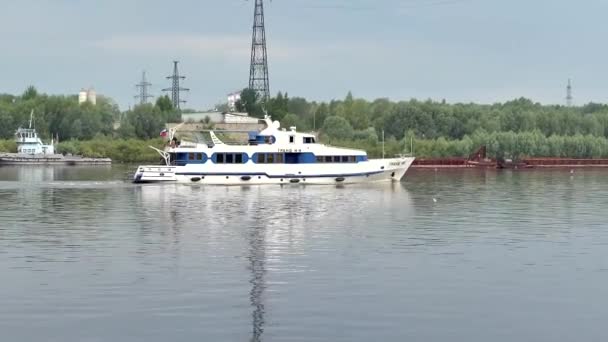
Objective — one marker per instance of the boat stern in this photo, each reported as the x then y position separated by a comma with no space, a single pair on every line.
154,174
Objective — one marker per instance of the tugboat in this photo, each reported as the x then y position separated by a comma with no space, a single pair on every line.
31,150
272,156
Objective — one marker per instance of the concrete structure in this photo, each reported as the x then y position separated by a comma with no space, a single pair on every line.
220,118
87,95
82,96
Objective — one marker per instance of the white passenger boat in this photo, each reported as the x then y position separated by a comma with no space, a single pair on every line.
272,156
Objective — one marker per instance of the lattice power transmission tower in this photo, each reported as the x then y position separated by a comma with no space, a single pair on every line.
569,94
143,87
258,74
175,88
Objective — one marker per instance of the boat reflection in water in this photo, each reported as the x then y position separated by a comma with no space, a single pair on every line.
265,231
257,267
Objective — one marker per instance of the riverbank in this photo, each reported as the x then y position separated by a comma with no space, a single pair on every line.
500,146
119,150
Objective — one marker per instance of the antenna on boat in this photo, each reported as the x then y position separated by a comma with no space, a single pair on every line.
412,146
173,130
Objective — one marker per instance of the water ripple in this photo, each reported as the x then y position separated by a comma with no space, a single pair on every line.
520,254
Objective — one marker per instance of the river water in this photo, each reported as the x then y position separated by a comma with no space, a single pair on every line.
443,256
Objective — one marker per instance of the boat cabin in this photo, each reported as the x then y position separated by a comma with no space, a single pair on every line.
28,142
270,146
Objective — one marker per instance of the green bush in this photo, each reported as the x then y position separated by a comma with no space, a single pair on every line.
8,146
119,150
499,145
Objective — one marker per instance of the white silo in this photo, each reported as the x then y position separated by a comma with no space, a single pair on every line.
92,96
82,96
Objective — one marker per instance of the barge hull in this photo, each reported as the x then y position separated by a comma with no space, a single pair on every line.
527,163
20,159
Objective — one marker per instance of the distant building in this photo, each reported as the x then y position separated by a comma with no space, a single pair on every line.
87,95
232,99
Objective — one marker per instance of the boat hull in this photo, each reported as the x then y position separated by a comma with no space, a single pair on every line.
51,159
375,170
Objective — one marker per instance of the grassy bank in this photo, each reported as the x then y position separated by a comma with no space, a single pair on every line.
119,150
499,145
8,146
516,145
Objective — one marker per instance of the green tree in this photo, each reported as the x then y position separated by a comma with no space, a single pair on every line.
250,103
30,93
336,127
164,103
290,120
278,106
147,121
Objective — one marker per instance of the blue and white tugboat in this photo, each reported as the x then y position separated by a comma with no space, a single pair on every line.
272,156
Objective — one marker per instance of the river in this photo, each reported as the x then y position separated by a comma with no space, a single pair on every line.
442,256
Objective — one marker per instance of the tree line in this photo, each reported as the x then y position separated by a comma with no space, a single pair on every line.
512,129
63,116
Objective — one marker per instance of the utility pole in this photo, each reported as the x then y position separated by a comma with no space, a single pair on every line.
175,88
143,86
569,94
258,73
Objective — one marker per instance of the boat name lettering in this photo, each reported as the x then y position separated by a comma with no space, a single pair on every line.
290,150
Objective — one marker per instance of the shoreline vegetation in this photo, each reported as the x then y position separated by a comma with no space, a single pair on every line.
511,130
119,150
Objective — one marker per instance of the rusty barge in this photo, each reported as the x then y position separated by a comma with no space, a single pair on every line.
479,159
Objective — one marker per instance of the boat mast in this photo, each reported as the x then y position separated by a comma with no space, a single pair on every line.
382,144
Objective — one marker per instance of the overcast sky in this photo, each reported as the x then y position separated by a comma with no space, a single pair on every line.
458,50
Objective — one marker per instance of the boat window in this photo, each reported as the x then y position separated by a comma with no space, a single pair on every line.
199,156
270,158
219,158
336,159
328,159
319,159
352,159
309,140
280,158
345,159
238,158
229,158
292,138
261,159
191,156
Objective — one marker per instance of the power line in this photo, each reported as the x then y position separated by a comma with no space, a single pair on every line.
569,94
258,72
175,87
143,87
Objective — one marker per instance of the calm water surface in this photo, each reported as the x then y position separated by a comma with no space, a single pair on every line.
447,256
